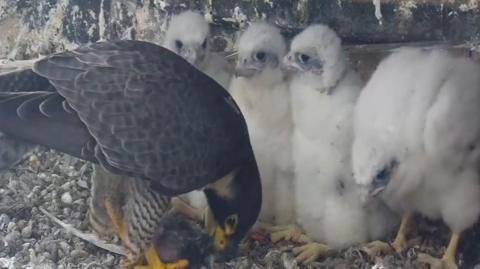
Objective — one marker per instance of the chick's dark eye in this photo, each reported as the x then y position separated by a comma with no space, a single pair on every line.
383,175
178,44
204,44
261,56
303,57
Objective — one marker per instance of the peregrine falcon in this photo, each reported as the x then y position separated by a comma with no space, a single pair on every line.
144,112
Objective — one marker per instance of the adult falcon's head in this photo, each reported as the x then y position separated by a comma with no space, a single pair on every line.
261,47
188,36
234,202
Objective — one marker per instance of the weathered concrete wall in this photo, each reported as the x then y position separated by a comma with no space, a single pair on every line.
30,27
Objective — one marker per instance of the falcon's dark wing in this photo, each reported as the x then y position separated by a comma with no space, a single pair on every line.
152,114
13,150
25,81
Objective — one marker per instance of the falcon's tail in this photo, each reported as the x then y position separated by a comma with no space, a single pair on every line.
12,151
14,78
23,81
44,118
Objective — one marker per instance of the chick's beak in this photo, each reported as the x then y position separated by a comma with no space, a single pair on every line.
376,190
245,68
191,55
289,64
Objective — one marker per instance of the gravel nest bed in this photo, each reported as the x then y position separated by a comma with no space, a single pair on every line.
61,185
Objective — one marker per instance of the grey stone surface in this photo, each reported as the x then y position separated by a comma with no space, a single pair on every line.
30,27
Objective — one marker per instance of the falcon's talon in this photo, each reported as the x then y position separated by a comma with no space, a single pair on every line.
311,252
116,216
154,262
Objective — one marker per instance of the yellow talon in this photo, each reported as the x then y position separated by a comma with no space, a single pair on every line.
116,216
154,262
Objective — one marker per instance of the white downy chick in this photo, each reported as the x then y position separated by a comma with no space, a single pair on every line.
417,138
188,35
261,91
324,90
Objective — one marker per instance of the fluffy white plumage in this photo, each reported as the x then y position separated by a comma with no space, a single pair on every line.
417,135
261,92
188,35
323,92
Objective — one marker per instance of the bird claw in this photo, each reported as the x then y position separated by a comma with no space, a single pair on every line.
436,263
311,252
154,262
375,248
181,264
287,232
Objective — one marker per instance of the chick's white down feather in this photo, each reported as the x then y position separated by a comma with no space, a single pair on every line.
323,93
420,108
185,36
264,101
190,30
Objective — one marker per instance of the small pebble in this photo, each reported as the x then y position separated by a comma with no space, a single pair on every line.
11,227
65,247
82,184
4,221
27,231
5,262
77,254
109,260
66,198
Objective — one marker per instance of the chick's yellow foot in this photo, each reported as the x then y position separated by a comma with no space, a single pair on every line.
376,248
448,259
436,263
287,232
154,262
311,252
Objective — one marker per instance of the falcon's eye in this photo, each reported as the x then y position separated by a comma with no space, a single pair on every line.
204,44
303,58
231,224
178,44
261,56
